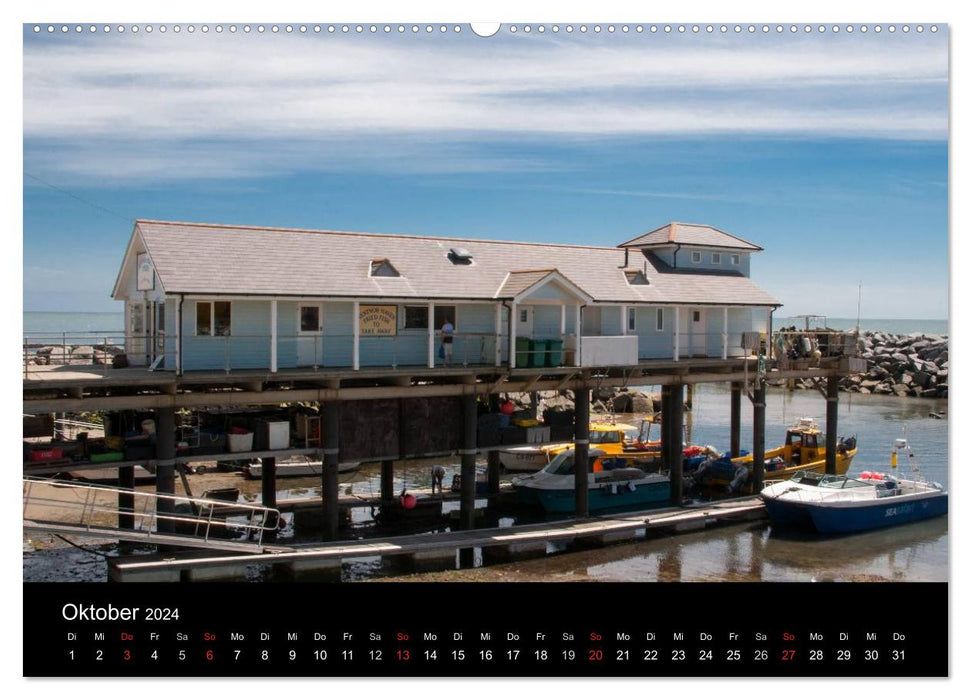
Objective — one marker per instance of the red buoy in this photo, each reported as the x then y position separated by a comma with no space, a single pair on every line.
408,502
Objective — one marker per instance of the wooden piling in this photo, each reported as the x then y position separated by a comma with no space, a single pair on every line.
165,467
832,415
329,457
387,481
736,420
581,432
758,435
268,482
676,455
126,501
467,507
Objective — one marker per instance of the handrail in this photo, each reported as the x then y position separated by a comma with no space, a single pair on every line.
205,516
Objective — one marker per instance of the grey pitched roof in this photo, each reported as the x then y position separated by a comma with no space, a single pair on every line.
241,260
689,234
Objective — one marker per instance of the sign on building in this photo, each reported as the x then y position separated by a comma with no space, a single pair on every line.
378,320
146,274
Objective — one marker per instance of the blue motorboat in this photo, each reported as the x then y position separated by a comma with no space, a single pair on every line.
832,504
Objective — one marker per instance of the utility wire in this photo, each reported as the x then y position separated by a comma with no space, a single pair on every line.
80,199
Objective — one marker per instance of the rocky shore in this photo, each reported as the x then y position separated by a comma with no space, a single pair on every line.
901,365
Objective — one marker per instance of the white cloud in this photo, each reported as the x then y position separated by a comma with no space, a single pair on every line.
234,104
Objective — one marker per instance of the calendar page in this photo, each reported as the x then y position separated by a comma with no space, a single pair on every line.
530,349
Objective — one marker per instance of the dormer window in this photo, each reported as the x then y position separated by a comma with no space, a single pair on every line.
716,258
636,277
382,267
695,256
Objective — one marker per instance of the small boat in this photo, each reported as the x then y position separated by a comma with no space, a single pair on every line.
614,481
295,468
605,435
832,504
801,452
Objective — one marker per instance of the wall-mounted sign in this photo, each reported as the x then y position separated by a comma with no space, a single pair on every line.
145,279
378,320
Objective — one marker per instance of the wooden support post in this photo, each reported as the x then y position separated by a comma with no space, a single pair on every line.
493,471
331,429
165,466
673,420
512,335
469,422
736,420
832,414
126,501
758,435
268,478
431,336
387,481
677,332
581,432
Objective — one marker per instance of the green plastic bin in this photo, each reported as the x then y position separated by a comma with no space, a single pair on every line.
523,346
537,358
554,355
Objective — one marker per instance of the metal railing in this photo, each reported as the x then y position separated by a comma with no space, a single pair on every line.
90,348
91,506
792,347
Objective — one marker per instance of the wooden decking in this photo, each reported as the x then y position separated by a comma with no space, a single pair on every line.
441,546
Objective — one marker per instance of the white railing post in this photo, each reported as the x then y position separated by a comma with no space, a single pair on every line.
356,349
498,331
513,321
677,333
725,333
273,335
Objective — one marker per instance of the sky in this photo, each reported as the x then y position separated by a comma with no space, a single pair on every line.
828,149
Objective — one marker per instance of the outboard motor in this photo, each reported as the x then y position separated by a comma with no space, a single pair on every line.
741,477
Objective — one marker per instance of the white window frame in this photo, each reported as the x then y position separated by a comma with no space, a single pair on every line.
659,321
736,259
716,258
696,256
212,319
424,328
631,318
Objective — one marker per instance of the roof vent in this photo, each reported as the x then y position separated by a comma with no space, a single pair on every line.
460,256
382,267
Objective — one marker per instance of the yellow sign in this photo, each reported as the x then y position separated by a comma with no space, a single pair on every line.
378,320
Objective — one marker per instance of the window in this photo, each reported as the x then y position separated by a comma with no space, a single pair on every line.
310,319
417,316
696,316
636,277
736,259
382,267
214,318
523,315
660,320
695,256
631,319
716,258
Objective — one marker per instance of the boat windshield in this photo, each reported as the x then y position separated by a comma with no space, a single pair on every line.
602,436
561,464
835,481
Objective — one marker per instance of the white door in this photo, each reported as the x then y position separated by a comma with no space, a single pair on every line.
524,322
699,344
310,325
137,347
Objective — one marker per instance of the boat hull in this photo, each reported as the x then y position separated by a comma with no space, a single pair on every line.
837,518
600,498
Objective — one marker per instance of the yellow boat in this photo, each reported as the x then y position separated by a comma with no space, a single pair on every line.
606,435
803,450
